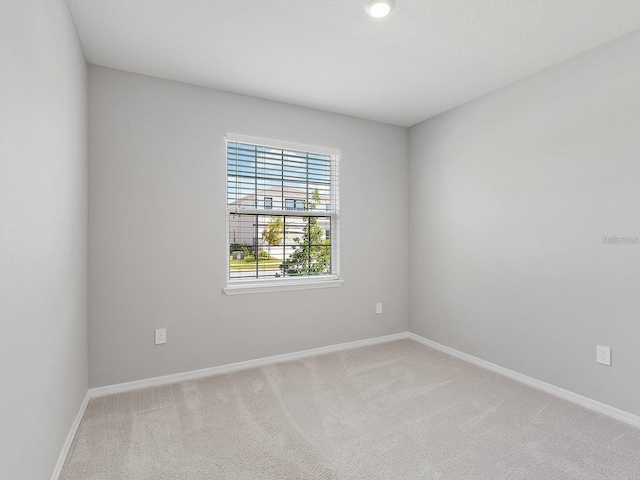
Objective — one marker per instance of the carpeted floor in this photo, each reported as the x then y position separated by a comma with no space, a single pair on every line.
394,411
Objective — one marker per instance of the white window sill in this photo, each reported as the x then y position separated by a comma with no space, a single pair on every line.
283,285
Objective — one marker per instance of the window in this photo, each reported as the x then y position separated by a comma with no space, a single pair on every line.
282,214
293,204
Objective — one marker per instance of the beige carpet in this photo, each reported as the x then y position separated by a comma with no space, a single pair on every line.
394,411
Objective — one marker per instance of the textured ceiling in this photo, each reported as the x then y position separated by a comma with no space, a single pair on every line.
426,57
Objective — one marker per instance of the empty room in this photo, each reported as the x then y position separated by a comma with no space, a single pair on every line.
330,239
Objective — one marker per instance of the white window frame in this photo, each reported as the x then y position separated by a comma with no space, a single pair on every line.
260,285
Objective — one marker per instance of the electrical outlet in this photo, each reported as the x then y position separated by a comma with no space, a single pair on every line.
603,355
161,336
379,307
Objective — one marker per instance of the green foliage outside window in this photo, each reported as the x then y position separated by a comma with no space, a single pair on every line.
312,256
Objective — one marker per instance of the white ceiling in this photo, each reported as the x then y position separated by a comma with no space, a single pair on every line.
426,57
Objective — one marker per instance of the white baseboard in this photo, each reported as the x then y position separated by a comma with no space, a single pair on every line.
69,440
234,367
287,357
586,402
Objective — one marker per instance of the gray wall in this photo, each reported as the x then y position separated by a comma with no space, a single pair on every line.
43,234
157,181
510,196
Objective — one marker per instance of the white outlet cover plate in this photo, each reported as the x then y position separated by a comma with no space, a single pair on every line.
603,355
161,336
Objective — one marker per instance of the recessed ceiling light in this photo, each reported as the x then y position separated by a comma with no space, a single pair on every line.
379,8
